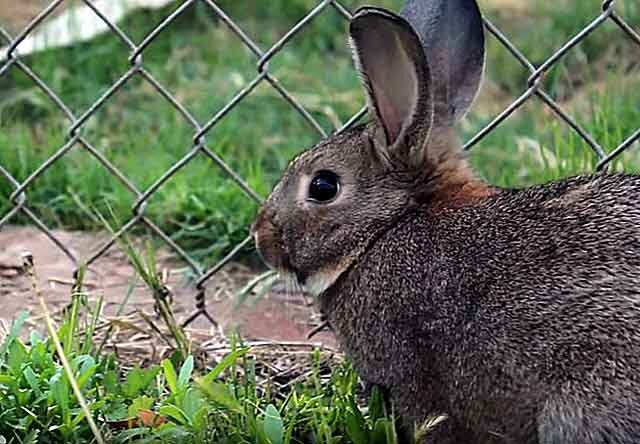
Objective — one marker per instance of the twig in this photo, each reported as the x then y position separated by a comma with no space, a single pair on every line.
30,270
253,344
314,331
71,282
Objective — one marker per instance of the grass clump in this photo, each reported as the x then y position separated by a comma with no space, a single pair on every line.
175,403
73,384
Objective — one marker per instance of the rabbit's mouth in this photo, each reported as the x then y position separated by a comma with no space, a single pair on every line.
294,277
273,251
277,258
275,255
313,283
287,270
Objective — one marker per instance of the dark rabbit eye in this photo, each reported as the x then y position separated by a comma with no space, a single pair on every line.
324,186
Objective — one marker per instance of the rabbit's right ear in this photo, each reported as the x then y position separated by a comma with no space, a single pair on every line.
395,74
452,33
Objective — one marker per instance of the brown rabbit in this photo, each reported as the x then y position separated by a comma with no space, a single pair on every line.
516,313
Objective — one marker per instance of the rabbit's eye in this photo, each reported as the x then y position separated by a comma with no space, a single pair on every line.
324,186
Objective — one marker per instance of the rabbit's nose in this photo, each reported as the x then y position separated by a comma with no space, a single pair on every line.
255,233
262,227
268,241
264,221
253,230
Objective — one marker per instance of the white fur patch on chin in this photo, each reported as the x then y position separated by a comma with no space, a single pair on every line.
318,282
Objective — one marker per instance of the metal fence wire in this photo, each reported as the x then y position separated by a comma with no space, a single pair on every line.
19,197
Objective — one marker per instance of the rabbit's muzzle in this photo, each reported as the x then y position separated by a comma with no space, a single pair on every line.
269,243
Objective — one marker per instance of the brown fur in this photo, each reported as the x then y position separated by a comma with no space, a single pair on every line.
514,312
462,194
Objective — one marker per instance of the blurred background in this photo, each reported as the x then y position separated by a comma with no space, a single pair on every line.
203,65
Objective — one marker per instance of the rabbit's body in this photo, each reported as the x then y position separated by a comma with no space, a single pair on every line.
482,315
516,313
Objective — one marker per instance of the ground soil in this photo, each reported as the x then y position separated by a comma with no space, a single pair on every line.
277,316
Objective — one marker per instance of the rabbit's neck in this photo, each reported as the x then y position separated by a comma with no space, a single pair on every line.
448,174
380,320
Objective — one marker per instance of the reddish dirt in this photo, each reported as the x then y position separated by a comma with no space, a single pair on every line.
278,316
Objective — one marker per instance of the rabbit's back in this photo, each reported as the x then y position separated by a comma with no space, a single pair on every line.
515,314
552,277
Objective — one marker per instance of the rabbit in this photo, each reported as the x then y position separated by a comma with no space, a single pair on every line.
514,313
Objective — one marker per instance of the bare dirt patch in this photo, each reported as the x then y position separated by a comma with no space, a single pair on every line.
278,316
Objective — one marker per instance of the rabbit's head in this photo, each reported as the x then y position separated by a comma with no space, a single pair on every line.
421,72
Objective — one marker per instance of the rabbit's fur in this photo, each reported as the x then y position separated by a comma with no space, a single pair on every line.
516,313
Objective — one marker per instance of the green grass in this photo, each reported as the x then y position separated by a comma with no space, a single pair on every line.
179,399
224,404
204,65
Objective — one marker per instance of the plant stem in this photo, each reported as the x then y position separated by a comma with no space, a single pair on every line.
30,269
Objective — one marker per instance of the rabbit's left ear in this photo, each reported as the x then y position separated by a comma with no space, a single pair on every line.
395,74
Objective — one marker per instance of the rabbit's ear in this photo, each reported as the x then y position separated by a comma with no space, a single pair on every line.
452,33
395,74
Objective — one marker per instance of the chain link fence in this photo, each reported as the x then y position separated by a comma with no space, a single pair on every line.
20,195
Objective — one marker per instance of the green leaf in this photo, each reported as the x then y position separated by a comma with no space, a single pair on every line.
32,380
137,381
39,355
355,429
376,404
168,433
140,403
60,392
86,373
220,394
355,411
170,375
35,339
80,416
272,425
192,403
185,372
116,411
7,379
174,413
84,362
17,354
14,332
110,381
382,432
226,362
31,438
